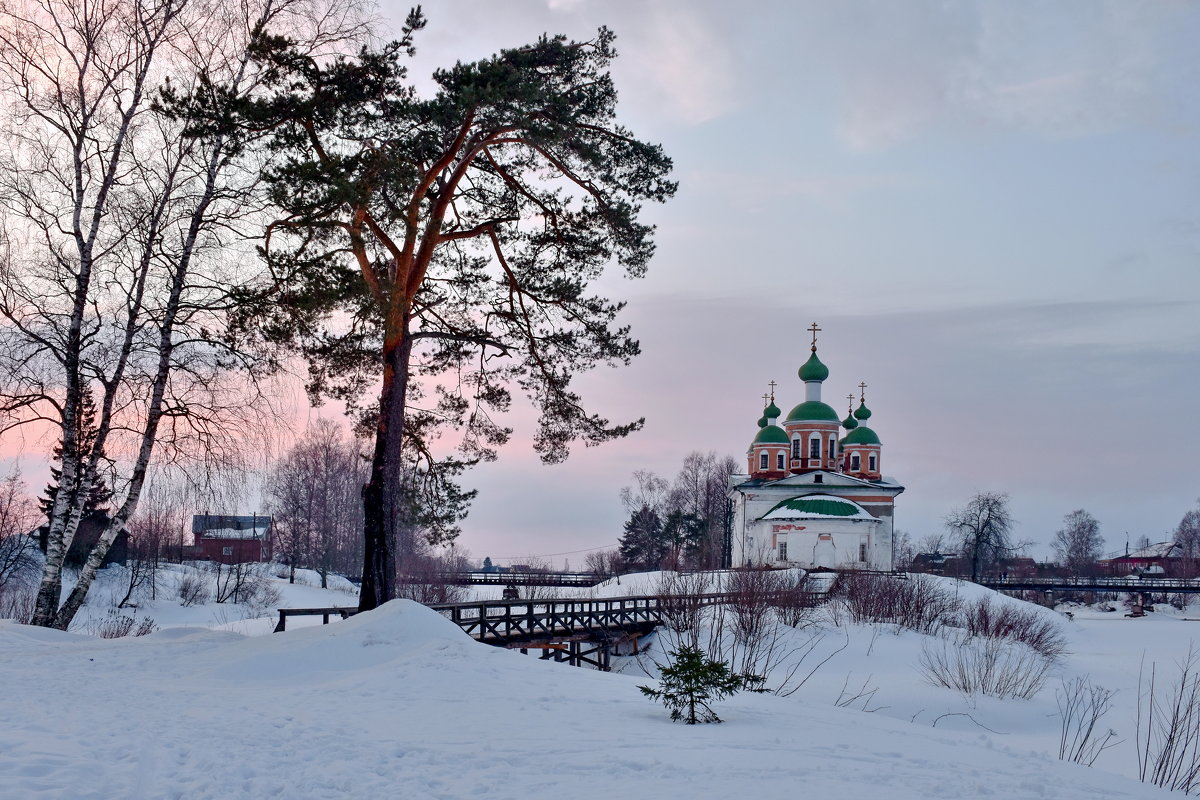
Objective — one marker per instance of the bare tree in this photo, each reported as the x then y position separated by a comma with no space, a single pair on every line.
1187,537
315,494
983,527
1078,544
18,515
699,490
123,244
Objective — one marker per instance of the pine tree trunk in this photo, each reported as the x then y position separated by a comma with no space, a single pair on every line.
384,499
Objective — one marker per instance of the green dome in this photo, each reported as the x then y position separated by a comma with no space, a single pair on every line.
861,435
771,434
849,423
862,412
813,369
762,421
772,411
813,410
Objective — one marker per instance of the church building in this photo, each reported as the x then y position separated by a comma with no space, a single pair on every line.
813,496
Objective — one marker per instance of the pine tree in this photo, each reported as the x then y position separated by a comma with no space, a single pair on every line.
692,681
643,544
98,493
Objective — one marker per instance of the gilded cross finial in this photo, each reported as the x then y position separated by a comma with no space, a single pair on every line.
814,329
765,400
862,388
850,406
772,385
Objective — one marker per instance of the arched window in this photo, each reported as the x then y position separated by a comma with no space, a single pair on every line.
762,461
855,463
871,461
833,447
779,462
796,449
814,447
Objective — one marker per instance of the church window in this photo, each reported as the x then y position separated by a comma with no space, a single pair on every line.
862,552
854,463
814,448
871,461
783,551
796,449
833,447
762,461
779,461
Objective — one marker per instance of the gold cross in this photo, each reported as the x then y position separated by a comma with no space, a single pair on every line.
813,329
764,401
772,385
850,397
862,387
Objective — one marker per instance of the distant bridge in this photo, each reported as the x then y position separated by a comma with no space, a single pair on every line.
1130,583
480,578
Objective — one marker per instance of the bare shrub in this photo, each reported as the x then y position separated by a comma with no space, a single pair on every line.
1010,621
116,625
1168,727
992,667
247,584
681,605
1080,708
17,602
193,590
918,603
794,600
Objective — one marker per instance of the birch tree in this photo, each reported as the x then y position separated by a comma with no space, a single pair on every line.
121,242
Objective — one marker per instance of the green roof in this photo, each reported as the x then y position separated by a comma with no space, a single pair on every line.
822,504
762,421
862,413
772,411
861,435
849,423
812,410
771,434
813,369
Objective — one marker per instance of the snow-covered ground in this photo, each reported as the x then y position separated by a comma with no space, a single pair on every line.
398,702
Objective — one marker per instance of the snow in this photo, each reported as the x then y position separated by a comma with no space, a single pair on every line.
399,702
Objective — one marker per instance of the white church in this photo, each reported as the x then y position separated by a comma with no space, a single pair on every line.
813,496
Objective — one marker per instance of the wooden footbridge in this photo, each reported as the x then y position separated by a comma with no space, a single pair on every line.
579,632
1130,583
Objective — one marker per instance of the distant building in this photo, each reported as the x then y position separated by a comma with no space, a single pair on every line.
811,496
231,539
90,528
1164,558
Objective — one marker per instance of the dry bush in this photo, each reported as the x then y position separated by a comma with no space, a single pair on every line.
116,625
431,592
1168,727
193,589
682,610
993,667
1009,621
1080,708
17,602
918,603
794,601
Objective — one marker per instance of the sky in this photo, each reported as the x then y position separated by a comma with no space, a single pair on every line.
991,209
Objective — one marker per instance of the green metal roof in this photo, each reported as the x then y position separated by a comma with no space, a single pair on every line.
813,369
862,413
822,505
861,435
771,434
762,421
849,423
812,410
772,411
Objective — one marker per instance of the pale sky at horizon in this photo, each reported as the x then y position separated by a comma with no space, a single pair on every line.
991,209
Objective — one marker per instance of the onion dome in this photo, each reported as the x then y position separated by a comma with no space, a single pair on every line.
813,369
772,411
762,421
849,423
771,434
812,411
862,413
861,435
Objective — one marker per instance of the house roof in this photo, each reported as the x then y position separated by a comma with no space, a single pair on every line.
229,526
811,506
1159,550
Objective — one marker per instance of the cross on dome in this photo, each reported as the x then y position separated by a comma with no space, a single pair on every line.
814,329
862,388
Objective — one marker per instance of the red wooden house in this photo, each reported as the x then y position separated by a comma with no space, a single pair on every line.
231,539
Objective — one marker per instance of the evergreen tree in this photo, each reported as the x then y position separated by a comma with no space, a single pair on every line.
441,251
98,493
692,681
643,544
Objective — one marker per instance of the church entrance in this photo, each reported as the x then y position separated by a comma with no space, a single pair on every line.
824,552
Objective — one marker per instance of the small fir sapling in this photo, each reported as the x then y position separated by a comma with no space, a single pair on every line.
693,680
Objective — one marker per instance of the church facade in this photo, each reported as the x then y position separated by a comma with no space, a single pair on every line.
814,493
